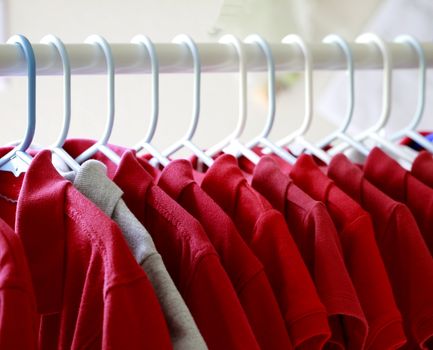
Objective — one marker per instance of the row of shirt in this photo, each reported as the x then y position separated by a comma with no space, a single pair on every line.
237,256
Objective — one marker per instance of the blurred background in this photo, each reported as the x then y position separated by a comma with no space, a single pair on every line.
206,21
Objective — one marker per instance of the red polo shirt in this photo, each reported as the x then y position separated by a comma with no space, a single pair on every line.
244,269
357,238
89,290
18,317
265,231
316,237
406,257
422,168
385,173
189,257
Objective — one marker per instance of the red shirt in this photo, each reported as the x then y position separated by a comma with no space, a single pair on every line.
89,289
243,268
422,168
189,257
404,253
18,318
385,173
356,233
316,237
265,231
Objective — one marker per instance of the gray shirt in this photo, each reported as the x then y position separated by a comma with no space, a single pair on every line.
92,181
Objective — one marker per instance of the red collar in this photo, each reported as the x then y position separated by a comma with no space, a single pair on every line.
386,174
422,168
350,178
307,175
134,181
175,177
222,180
269,179
351,181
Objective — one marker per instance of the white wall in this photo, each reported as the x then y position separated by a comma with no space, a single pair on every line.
119,21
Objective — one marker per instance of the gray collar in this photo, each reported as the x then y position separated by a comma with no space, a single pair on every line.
93,182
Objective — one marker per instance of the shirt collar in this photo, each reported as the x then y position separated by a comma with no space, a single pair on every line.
269,179
222,181
348,176
92,181
41,227
130,175
134,181
175,177
386,174
422,168
307,175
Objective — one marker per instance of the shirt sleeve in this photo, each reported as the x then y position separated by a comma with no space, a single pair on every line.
216,308
410,269
264,314
372,285
291,281
133,318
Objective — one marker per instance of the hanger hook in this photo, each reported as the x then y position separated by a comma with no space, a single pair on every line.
187,41
27,50
237,44
232,40
308,73
190,44
415,44
61,50
106,49
387,76
340,132
264,46
344,46
148,45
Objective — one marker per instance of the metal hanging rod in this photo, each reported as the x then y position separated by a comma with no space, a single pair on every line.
215,57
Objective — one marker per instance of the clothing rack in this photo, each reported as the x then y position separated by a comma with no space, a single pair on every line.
215,57
257,253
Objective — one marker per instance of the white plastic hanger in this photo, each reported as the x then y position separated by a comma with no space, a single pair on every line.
147,44
57,147
262,138
17,160
298,135
340,133
374,133
186,140
101,145
233,138
410,130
